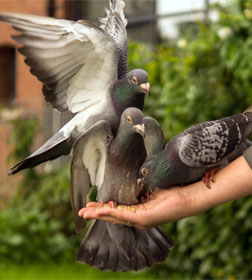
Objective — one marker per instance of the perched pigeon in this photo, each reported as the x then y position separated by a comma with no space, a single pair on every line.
83,68
195,151
154,137
112,165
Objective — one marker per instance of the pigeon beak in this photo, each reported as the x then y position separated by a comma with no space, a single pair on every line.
139,182
139,129
145,88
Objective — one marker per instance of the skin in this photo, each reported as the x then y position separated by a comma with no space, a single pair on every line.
230,183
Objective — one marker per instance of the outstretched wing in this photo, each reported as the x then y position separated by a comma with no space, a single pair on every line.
154,137
211,142
115,24
76,61
89,155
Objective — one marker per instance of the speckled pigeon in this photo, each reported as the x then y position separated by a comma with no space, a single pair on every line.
112,163
83,68
192,153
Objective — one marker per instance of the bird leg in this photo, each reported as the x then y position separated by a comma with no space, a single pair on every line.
112,203
208,177
146,196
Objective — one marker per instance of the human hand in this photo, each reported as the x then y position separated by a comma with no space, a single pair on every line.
232,182
164,206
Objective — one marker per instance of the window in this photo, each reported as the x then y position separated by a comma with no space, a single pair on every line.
7,74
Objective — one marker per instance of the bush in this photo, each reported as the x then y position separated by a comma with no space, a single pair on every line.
38,223
204,76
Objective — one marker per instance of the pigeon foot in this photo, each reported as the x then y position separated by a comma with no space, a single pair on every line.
146,197
112,203
208,177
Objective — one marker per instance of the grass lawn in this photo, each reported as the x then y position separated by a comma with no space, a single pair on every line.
65,271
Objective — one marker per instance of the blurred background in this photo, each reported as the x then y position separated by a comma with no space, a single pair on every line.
198,55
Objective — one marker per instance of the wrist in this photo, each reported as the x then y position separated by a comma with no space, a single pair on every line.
184,204
192,199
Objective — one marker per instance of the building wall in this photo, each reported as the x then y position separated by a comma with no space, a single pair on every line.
25,91
27,87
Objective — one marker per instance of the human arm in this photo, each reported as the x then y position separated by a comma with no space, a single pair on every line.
232,182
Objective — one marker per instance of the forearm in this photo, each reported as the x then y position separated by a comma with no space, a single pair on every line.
232,182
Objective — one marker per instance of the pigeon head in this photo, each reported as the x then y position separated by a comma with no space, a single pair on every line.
138,79
128,146
132,121
153,172
130,91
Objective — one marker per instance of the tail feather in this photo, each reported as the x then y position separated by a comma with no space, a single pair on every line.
56,146
120,248
114,259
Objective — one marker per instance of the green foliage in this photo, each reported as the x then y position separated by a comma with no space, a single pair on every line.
213,245
24,130
204,76
39,226
66,270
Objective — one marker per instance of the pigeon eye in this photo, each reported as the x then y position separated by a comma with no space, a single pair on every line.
129,119
144,171
134,80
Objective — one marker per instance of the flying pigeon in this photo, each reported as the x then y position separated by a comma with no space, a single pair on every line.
196,151
83,68
112,163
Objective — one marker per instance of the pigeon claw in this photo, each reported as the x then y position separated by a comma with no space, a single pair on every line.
112,203
146,197
208,177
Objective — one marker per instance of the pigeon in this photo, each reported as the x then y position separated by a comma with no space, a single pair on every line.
197,152
154,136
112,163
83,68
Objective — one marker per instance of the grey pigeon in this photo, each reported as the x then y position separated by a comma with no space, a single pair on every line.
195,151
112,163
83,68
154,137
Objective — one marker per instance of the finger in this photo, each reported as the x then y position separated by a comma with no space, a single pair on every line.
94,214
84,210
124,214
94,204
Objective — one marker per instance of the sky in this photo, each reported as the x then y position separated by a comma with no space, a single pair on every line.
168,26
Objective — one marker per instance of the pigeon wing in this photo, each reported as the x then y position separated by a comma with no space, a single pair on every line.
154,137
115,24
209,143
89,155
75,61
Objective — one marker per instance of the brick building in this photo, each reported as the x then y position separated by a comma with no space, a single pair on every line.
19,88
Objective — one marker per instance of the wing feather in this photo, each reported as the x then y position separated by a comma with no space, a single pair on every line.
210,143
115,25
67,57
89,155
